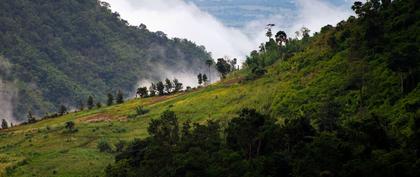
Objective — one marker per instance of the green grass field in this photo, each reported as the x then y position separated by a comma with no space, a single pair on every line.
46,149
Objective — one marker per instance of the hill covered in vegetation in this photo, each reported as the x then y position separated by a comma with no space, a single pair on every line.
56,53
344,102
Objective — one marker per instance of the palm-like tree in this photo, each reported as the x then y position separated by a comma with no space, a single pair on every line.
209,63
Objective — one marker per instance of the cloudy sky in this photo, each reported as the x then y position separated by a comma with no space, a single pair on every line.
194,21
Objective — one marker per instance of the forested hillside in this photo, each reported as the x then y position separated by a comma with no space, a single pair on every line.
344,102
61,52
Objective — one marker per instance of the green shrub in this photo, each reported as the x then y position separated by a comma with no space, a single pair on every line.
104,146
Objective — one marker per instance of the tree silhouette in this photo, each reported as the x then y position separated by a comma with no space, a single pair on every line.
110,100
178,85
205,79
31,118
223,67
120,97
62,110
168,86
281,38
160,88
90,103
200,79
209,63
4,124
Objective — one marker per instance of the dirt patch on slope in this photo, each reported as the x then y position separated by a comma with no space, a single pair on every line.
102,118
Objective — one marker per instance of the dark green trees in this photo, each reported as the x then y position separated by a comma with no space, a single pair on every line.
70,126
209,63
62,110
160,87
168,86
110,100
205,79
31,118
152,89
223,67
120,97
142,92
4,124
177,85
90,104
200,79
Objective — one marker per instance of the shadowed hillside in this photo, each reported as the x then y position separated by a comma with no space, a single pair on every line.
60,52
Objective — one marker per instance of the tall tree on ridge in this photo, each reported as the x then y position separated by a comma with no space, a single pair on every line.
4,124
90,103
200,79
210,63
120,97
160,87
110,99
168,86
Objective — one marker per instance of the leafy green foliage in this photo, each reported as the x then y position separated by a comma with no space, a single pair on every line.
104,146
61,52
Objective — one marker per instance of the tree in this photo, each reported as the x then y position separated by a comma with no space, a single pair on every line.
168,86
152,90
209,63
98,105
90,103
233,63
120,97
269,33
281,38
178,85
223,67
166,129
160,87
404,60
305,32
4,124
246,133
200,79
205,79
62,110
142,92
110,100
81,105
31,118
104,146
70,126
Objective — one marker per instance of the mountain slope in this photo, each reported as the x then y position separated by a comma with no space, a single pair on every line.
362,122
60,52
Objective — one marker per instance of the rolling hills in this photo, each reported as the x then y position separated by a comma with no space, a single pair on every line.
340,85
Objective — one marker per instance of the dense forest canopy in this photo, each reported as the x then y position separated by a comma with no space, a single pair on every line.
61,52
349,106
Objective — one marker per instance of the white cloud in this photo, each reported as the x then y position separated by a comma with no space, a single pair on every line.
185,20
179,19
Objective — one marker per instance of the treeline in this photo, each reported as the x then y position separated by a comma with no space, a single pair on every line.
279,47
89,104
161,88
253,144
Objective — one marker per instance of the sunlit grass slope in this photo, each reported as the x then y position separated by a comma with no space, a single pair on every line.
298,86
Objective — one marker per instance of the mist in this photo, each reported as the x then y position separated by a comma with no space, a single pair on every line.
178,18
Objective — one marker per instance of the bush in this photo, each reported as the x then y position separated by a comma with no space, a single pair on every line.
104,146
70,127
119,146
141,111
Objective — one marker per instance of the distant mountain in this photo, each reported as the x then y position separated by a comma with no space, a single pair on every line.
62,51
238,13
